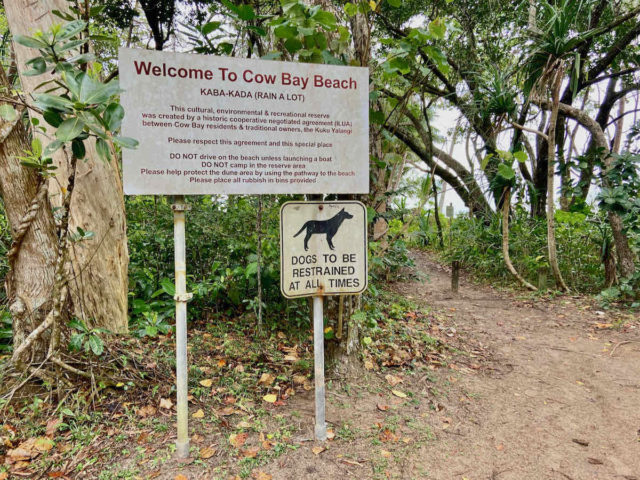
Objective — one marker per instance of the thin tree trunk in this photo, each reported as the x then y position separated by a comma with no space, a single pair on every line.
98,268
626,259
436,210
506,205
32,256
617,139
551,229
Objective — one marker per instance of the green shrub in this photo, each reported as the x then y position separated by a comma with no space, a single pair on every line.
221,257
478,244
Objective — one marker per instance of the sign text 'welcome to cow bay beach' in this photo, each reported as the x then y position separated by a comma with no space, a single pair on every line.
211,124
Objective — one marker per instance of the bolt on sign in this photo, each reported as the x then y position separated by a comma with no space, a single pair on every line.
224,125
323,248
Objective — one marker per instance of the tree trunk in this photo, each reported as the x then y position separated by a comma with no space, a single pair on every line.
98,268
506,205
551,227
33,253
626,259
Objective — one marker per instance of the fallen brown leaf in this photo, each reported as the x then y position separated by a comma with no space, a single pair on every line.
266,379
299,379
251,452
603,326
198,414
166,403
207,452
387,435
383,408
260,475
147,411
52,426
238,439
393,380
270,398
226,411
180,477
318,450
206,383
399,394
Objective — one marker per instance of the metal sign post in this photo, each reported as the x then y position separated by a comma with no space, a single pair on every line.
181,297
318,368
329,259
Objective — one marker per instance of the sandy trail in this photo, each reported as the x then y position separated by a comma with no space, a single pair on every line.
552,403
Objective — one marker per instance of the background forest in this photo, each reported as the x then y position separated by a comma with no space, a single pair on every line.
526,114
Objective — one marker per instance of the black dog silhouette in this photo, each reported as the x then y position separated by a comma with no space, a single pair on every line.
329,227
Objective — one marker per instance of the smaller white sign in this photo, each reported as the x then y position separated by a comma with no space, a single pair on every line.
323,248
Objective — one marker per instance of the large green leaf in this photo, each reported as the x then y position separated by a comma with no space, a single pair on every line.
38,67
30,42
520,156
399,64
102,148
92,91
246,13
78,149
71,29
285,31
505,171
437,28
96,344
70,45
113,116
293,45
69,129
326,19
46,101
75,343
126,142
51,148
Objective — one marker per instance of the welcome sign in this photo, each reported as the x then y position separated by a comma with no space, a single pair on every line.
211,125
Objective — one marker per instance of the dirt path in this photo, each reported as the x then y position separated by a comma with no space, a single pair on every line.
547,398
553,383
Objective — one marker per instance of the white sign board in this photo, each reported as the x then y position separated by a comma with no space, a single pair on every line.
210,124
323,248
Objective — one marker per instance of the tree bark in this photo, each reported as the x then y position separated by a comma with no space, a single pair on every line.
506,205
98,268
33,253
551,227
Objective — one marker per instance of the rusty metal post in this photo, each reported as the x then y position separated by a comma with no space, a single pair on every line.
181,298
